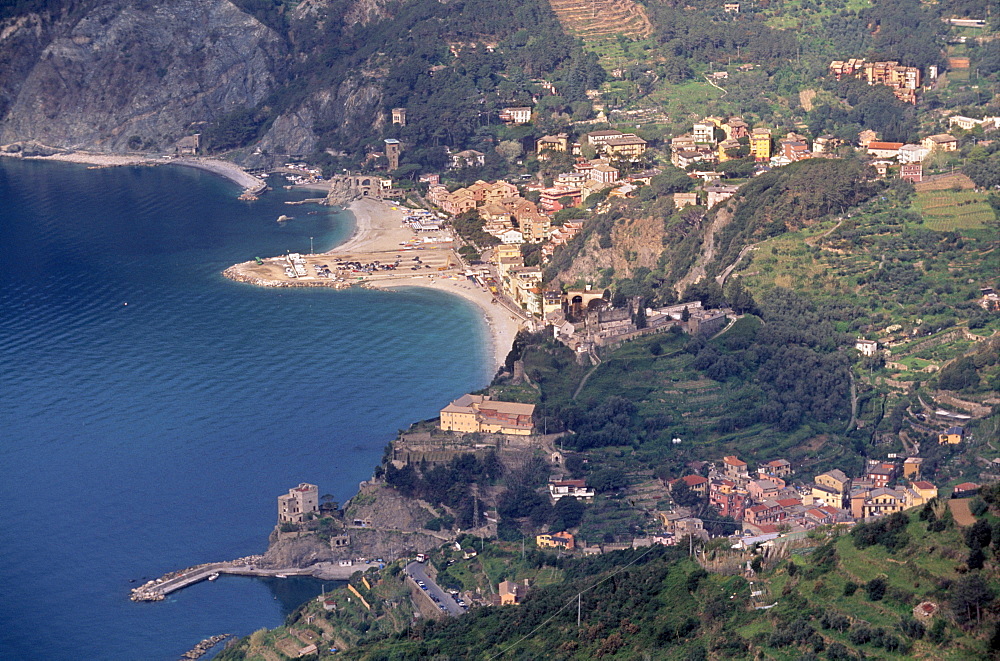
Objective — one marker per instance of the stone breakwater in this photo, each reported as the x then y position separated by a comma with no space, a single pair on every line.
238,273
201,649
159,588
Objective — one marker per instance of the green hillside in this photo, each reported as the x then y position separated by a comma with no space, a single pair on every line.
831,595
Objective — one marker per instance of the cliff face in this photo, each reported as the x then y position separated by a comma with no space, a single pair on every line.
635,242
148,69
354,107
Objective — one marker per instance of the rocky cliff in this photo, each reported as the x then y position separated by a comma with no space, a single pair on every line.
389,526
131,75
635,242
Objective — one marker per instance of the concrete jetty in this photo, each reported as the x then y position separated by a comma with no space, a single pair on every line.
158,589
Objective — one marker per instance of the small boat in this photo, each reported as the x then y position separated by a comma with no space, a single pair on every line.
214,576
282,218
281,575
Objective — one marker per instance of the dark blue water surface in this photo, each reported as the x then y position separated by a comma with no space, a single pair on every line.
141,438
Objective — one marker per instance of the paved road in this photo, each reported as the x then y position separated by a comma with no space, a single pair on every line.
415,570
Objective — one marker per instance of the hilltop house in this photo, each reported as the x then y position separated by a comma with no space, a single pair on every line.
556,540
777,468
940,142
571,488
468,158
884,149
951,436
626,146
558,143
479,413
508,593
516,115
696,483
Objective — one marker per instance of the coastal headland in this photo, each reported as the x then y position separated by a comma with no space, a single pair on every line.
381,237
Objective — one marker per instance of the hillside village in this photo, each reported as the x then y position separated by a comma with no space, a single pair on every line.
512,230
757,312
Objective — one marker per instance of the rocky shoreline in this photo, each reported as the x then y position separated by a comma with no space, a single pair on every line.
202,648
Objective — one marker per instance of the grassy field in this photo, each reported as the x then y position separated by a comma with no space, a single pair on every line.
949,210
687,100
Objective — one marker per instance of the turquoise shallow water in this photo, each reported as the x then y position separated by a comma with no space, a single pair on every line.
141,438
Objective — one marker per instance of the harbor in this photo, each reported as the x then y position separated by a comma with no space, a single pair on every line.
158,589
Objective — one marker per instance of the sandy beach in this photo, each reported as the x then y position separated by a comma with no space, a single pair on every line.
225,169
380,236
378,228
502,323
230,171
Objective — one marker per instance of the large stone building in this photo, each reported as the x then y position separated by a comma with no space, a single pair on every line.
904,81
298,503
479,413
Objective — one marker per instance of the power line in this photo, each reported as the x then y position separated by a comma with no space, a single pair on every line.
571,600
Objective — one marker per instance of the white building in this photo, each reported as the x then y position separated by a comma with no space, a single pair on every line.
912,153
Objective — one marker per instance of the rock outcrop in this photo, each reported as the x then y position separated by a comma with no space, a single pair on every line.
381,523
131,75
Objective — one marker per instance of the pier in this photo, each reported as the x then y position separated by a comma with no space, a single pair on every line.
158,589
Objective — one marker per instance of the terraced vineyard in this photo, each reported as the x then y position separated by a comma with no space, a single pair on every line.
595,20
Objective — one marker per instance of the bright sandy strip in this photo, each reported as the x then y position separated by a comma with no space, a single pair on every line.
502,323
230,171
224,169
379,228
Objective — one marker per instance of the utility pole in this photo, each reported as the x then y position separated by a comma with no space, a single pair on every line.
578,600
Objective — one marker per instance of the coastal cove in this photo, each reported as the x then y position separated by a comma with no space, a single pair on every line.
153,409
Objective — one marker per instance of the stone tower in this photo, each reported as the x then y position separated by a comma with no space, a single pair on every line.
392,150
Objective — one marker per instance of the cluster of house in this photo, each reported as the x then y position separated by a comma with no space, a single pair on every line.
715,140
521,284
612,144
767,504
582,319
909,157
902,80
514,220
588,176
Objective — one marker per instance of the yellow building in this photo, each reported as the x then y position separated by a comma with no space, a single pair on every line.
558,540
881,502
951,436
479,413
627,146
760,144
508,593
911,468
726,147
558,143
535,227
919,493
836,480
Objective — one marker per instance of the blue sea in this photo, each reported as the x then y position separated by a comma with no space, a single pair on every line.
151,411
